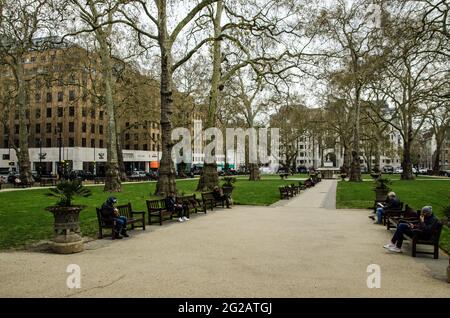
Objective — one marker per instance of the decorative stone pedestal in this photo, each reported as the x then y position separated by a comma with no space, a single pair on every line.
67,235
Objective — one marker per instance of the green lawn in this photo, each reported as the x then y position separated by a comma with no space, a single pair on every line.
23,218
414,193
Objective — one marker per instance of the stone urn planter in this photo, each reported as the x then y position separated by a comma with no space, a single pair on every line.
375,176
67,235
66,228
381,189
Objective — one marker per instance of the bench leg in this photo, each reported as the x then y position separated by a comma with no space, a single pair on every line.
149,218
436,251
100,233
160,218
143,223
414,249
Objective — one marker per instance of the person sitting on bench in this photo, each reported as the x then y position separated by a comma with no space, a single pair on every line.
173,206
111,214
220,197
392,202
423,228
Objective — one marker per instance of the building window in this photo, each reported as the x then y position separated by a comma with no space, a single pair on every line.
136,147
101,143
100,115
71,95
153,136
72,79
153,147
60,111
48,128
127,124
92,143
59,127
83,127
93,113
71,142
83,142
145,147
48,142
71,111
136,137
158,147
127,147
71,127
100,129
16,129
60,96
49,113
127,136
61,81
5,145
92,129
37,97
38,113
84,112
38,128
49,97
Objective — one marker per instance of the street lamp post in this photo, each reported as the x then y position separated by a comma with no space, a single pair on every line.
58,131
40,158
95,165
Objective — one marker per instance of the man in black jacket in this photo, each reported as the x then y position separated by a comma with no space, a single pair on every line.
110,214
173,206
423,228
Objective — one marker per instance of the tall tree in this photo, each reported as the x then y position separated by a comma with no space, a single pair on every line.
21,22
158,32
98,16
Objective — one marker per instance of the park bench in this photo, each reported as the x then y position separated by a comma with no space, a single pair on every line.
208,200
392,212
295,188
127,211
158,208
103,224
409,214
124,210
284,175
285,192
189,201
416,239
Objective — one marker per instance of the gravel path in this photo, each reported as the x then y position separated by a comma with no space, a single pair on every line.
301,248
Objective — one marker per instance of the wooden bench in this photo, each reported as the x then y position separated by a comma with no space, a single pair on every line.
189,201
284,175
295,188
392,212
208,199
284,192
409,214
158,208
127,211
102,224
433,241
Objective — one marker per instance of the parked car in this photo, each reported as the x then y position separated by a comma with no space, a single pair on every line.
153,175
80,175
398,170
388,169
302,169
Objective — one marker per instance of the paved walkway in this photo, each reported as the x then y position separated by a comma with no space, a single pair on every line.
303,248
